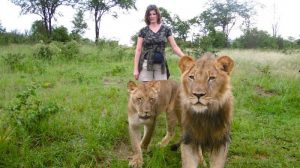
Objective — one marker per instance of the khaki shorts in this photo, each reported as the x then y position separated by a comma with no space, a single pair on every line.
152,75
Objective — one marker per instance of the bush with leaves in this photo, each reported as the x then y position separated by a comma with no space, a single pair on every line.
14,60
43,51
27,112
21,62
60,34
70,49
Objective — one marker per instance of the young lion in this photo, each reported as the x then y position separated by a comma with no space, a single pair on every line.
207,109
145,102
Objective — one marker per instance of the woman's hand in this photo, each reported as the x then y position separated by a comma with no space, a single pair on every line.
136,74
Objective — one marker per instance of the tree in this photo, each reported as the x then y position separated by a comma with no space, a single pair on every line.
255,38
275,24
38,31
102,7
180,28
79,25
166,17
60,34
44,8
225,14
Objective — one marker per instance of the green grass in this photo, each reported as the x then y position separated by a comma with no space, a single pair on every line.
90,128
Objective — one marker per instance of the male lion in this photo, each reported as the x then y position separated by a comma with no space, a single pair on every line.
145,102
207,109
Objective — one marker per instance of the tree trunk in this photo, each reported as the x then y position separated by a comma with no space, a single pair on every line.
96,31
96,26
50,27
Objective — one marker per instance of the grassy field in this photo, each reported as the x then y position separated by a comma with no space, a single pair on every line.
73,112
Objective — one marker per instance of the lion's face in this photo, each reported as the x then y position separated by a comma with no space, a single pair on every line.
144,98
205,82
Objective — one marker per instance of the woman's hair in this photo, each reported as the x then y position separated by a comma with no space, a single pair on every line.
147,14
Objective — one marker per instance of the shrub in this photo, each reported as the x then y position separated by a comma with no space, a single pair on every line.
104,43
43,51
70,49
38,31
27,112
60,34
14,60
13,37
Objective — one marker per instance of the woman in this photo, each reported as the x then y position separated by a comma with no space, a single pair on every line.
150,59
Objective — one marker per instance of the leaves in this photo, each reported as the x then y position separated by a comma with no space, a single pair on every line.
44,8
101,7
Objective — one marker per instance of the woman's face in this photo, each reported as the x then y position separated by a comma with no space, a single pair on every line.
152,16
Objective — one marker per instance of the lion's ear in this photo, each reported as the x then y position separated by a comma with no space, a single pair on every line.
226,64
131,86
155,85
185,63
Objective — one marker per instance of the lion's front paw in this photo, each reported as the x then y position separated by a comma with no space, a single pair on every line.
165,141
136,161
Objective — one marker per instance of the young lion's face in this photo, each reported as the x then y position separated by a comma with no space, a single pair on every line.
144,98
205,82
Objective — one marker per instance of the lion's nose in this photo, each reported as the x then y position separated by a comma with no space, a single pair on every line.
147,112
199,95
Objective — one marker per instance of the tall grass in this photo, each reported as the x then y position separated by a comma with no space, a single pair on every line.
90,128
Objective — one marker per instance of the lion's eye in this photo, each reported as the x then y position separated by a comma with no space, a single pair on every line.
192,77
139,100
152,99
211,78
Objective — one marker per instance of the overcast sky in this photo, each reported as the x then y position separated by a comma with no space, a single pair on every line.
128,23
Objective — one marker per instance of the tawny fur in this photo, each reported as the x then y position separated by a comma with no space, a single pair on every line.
145,102
207,108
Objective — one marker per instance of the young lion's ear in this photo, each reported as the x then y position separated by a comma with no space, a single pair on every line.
226,64
185,63
131,86
155,85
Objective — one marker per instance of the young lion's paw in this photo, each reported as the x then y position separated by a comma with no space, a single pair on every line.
136,161
165,141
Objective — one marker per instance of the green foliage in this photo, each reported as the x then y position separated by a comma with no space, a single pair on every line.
105,43
134,38
13,37
116,71
179,27
14,61
100,8
79,25
92,128
46,9
213,41
60,34
255,39
69,50
166,16
43,51
38,31
223,14
28,112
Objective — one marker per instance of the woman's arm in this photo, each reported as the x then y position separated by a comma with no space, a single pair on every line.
174,46
137,56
